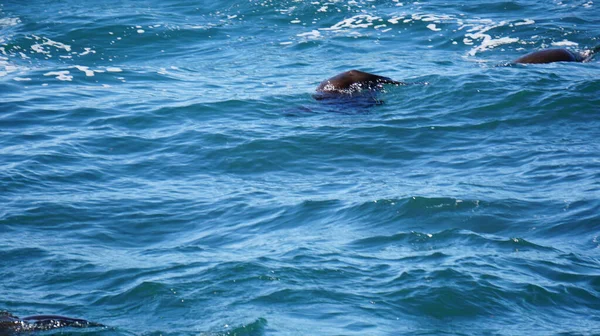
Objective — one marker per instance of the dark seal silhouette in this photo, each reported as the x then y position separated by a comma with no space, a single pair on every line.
556,55
352,82
11,324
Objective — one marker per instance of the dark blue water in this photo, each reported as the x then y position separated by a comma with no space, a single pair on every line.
165,170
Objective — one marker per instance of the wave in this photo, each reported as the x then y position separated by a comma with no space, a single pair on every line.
165,169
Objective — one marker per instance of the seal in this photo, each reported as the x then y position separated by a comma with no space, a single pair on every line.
10,324
556,55
353,81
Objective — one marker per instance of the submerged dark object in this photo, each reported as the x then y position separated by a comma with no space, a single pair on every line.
10,324
556,55
352,82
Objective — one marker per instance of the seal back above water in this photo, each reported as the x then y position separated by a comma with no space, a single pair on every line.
554,55
11,324
354,81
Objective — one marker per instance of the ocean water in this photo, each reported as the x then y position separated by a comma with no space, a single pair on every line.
165,169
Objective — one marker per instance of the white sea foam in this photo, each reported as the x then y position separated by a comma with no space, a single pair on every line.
8,68
9,22
524,22
433,17
314,34
357,21
46,43
490,43
395,19
86,70
38,48
57,45
433,27
60,75
114,69
87,51
478,31
565,43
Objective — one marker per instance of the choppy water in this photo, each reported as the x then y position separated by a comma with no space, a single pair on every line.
164,169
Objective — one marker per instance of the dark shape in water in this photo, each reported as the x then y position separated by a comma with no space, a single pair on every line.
556,55
11,324
352,83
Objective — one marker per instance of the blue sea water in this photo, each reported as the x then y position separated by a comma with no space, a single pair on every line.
165,170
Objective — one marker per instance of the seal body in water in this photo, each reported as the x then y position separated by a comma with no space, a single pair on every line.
11,324
350,82
556,55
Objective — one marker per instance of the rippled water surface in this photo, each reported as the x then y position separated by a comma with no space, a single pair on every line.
165,169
